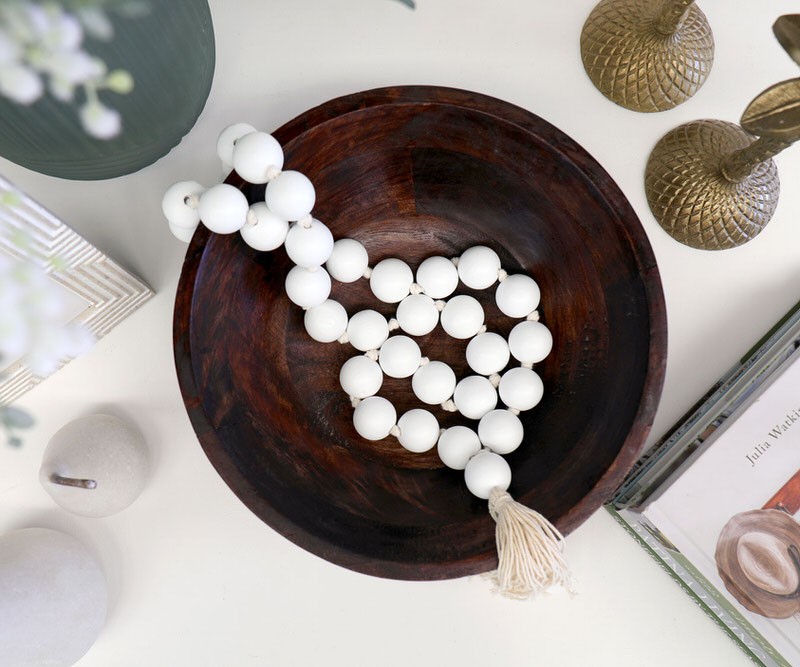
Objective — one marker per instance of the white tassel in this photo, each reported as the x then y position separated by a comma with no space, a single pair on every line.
529,550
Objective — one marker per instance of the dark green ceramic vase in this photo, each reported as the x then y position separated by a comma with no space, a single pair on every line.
167,48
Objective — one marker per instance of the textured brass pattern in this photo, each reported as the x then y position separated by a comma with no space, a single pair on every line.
775,113
631,60
787,32
693,200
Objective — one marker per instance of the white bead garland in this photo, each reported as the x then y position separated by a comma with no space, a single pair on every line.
417,314
434,383
367,330
438,277
327,322
374,418
478,267
391,280
180,203
223,209
291,195
227,141
501,431
517,295
360,377
457,445
256,156
264,230
462,317
309,244
308,288
419,430
486,471
521,388
474,396
488,353
348,261
530,342
400,357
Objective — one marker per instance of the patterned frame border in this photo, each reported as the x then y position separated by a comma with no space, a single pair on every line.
70,260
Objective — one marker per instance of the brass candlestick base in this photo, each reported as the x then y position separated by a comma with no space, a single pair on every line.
691,196
647,55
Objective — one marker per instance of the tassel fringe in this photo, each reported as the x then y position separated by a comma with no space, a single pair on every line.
529,550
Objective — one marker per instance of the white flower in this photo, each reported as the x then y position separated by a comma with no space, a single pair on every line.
96,23
10,51
61,89
20,83
74,67
64,34
99,121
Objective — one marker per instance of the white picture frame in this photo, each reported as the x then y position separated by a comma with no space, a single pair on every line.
109,292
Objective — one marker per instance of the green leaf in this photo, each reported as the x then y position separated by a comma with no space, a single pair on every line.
409,3
15,418
15,441
775,113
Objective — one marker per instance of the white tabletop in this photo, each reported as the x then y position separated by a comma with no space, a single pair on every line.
195,578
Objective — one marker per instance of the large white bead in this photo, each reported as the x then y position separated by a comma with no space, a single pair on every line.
327,322
419,430
391,280
360,377
517,296
367,330
374,417
501,431
307,288
268,233
530,342
348,261
521,388
227,140
457,445
488,353
462,316
309,246
478,267
182,233
223,209
438,277
474,396
177,209
417,315
290,195
486,471
399,357
255,155
434,383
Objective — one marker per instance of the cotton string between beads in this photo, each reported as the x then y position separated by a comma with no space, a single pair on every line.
529,547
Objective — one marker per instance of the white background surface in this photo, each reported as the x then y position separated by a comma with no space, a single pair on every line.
195,578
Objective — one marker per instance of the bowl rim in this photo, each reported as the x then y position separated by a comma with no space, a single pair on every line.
638,241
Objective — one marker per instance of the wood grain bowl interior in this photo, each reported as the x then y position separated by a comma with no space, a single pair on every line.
413,172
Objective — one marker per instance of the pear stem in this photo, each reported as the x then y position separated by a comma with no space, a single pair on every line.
70,481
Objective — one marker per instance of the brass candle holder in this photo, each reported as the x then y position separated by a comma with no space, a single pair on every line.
647,55
711,184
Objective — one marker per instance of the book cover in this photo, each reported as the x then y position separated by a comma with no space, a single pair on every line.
729,511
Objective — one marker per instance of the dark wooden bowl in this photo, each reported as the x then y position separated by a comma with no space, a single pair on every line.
413,172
